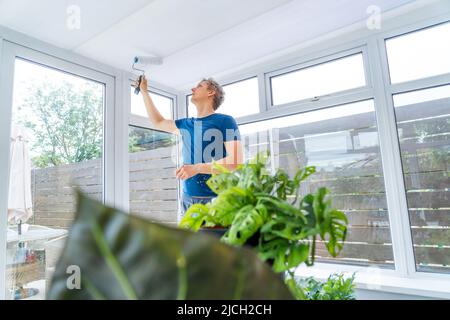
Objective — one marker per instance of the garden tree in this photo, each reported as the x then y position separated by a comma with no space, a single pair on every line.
65,121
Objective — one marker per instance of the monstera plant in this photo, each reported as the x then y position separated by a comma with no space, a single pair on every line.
119,256
253,201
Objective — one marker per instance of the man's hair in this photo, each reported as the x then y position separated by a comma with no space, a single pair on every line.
219,95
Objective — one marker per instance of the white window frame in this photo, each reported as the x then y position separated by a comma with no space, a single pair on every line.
9,52
241,78
144,122
317,62
404,279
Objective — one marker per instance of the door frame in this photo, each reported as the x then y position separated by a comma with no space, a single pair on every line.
9,51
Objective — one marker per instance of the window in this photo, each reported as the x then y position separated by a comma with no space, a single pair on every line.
342,142
152,163
58,120
326,78
423,122
162,103
241,99
419,54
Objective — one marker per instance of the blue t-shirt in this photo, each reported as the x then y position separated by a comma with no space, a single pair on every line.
203,141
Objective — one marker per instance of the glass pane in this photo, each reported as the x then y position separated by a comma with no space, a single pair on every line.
419,54
241,99
153,187
162,103
342,142
423,121
326,78
56,144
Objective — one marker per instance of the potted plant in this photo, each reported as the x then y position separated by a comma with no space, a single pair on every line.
253,202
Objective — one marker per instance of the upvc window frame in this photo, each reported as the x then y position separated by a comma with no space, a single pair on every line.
241,78
144,122
10,51
379,88
317,62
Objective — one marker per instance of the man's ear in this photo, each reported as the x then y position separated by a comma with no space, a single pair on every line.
211,93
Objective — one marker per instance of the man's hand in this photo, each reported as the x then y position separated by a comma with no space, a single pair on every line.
186,171
143,86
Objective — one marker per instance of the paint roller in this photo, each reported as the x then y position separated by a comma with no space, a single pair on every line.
144,61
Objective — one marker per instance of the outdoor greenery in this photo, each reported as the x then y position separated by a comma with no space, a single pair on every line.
66,122
336,287
251,200
120,256
142,139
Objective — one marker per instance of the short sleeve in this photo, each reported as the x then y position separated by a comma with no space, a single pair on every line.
181,123
230,129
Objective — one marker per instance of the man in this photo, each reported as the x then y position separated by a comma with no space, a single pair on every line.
210,137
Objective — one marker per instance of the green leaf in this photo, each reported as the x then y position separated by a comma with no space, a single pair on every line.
298,253
125,257
245,224
194,217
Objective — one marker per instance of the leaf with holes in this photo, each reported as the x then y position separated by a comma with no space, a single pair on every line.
121,256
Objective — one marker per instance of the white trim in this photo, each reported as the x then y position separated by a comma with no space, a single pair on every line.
13,50
6,100
54,51
429,82
392,167
121,142
302,106
381,280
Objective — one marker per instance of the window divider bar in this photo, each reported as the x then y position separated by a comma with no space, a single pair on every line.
391,162
424,83
307,105
6,99
263,93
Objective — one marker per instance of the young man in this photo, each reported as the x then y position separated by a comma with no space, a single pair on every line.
209,137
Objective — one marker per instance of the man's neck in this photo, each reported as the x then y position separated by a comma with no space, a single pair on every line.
204,111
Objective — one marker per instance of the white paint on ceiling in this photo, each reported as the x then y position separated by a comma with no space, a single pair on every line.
50,20
197,38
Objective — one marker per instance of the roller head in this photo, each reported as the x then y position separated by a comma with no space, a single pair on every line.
145,60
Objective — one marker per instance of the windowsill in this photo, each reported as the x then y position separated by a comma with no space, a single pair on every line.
383,280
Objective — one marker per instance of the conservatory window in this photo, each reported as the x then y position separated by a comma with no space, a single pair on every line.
241,99
423,123
419,54
319,80
162,103
342,142
152,162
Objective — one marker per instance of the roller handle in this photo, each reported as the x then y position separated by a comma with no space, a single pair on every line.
138,87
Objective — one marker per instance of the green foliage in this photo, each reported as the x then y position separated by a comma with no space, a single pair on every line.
336,287
121,256
66,121
142,139
251,200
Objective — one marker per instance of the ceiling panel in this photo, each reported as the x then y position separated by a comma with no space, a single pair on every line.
168,26
50,21
196,38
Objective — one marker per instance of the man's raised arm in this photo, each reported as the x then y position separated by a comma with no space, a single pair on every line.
155,117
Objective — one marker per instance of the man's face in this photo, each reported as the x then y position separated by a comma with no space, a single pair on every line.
201,92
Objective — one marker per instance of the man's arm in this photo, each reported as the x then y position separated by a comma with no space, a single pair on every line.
234,158
155,117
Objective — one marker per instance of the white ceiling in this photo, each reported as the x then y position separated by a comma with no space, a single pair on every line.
196,38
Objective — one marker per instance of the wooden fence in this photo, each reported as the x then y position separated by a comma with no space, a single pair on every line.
350,167
153,188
